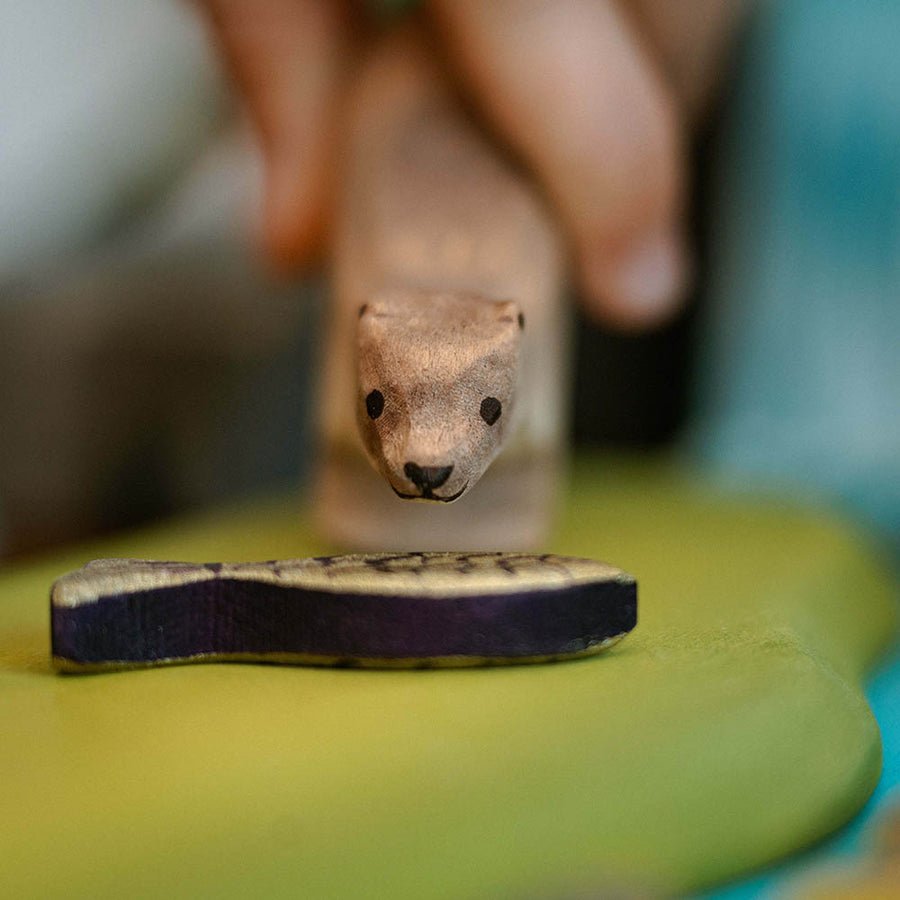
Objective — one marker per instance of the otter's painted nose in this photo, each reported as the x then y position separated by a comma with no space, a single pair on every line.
427,478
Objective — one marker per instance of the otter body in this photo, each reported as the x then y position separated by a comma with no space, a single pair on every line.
446,338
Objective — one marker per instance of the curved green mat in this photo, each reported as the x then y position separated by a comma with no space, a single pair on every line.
727,730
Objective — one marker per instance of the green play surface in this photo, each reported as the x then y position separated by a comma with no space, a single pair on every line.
728,730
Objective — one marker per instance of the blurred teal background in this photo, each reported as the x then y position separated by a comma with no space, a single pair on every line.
798,359
798,363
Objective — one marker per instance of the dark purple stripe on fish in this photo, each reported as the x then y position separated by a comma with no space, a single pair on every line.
226,615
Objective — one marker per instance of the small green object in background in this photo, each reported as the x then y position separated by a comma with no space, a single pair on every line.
392,9
728,730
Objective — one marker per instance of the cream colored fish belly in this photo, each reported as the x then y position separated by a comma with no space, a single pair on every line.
445,357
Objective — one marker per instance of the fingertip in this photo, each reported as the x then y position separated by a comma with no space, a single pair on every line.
293,217
640,287
289,247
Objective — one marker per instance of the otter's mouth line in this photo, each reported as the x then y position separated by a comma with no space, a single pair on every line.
428,495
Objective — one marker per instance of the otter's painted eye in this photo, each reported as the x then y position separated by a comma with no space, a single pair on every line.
490,410
375,404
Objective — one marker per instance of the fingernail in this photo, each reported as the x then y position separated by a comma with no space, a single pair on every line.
647,283
649,278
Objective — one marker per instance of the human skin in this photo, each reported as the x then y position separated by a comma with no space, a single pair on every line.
595,97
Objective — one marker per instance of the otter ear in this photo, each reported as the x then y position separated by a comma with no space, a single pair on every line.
510,311
369,315
373,308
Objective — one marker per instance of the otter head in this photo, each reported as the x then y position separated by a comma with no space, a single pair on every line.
437,376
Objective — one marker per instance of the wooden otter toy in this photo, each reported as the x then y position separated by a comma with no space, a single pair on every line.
446,341
433,412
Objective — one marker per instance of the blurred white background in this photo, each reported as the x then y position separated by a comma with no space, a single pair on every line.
147,363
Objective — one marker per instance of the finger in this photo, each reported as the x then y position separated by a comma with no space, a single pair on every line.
568,84
288,59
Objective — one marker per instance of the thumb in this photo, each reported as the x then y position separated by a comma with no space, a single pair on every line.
287,58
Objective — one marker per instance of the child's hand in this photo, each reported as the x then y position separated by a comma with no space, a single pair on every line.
575,86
